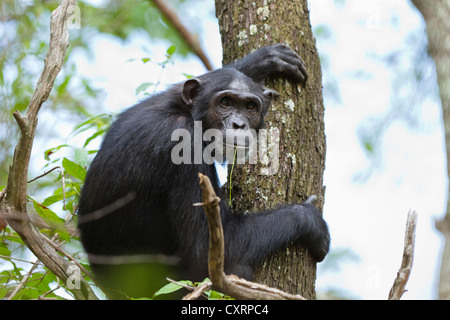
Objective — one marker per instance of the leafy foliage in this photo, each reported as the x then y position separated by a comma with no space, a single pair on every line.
60,203
24,34
173,287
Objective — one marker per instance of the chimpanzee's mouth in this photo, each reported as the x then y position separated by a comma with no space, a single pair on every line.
242,139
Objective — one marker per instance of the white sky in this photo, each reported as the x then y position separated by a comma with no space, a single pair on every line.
368,218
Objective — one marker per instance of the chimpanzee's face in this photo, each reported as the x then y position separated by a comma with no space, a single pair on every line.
229,102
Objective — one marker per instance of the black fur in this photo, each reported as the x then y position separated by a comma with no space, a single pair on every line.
161,221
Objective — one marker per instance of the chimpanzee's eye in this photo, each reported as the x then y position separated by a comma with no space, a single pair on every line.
224,102
252,107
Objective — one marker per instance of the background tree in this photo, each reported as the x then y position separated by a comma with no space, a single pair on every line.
297,114
436,14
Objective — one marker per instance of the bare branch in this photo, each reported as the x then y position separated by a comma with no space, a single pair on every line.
44,174
216,243
194,295
190,39
14,205
230,285
20,120
398,288
17,259
183,285
196,291
57,247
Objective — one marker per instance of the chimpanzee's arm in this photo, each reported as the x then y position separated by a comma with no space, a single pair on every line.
251,237
272,61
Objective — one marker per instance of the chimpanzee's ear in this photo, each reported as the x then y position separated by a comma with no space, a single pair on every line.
190,90
270,93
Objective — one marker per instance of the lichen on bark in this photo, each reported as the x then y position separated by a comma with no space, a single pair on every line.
298,114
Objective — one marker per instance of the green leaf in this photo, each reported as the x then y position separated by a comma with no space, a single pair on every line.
145,60
46,214
15,239
51,218
50,151
74,169
216,295
80,156
368,145
4,251
171,287
188,76
57,197
95,135
171,51
143,87
63,86
99,120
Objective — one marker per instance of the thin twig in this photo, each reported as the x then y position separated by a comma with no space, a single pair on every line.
64,189
62,178
20,120
57,247
18,259
23,281
43,175
184,285
196,291
199,291
398,288
188,37
43,296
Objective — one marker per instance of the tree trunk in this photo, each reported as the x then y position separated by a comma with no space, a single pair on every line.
436,13
298,114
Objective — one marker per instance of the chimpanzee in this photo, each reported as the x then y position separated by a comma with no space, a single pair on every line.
136,215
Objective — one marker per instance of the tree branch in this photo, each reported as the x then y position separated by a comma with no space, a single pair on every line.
188,37
14,204
398,288
20,121
197,293
230,285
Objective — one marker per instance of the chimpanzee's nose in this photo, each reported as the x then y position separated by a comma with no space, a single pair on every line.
237,124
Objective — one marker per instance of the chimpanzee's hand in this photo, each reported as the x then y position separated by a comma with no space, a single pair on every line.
273,61
313,229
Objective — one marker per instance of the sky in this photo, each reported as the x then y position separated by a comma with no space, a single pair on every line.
367,217
370,217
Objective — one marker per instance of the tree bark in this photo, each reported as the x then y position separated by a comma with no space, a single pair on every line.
436,13
298,114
